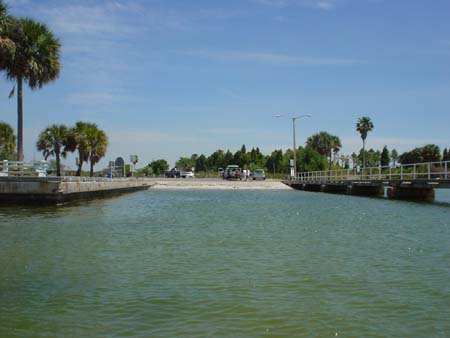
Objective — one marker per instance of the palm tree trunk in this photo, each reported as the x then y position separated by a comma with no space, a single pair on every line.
91,172
19,119
364,153
80,166
58,165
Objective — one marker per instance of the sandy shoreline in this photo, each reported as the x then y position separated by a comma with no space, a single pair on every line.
215,184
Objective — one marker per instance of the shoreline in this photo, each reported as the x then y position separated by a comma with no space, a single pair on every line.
214,184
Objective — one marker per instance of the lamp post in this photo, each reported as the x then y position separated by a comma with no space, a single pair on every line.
294,147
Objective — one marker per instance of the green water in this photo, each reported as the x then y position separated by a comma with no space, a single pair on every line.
226,264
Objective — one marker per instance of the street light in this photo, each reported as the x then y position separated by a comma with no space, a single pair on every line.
294,118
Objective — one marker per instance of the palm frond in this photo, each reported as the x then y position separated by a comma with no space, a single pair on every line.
11,93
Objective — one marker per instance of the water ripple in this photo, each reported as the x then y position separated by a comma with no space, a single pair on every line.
226,264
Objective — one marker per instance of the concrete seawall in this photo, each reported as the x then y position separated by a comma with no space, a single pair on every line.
55,190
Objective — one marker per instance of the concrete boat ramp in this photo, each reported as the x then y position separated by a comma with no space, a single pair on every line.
57,190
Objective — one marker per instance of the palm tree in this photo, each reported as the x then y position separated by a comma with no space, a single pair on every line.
335,147
7,47
2,9
35,61
7,141
3,15
320,142
325,144
364,125
53,141
97,143
80,141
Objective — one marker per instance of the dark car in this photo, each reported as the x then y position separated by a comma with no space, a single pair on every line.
173,173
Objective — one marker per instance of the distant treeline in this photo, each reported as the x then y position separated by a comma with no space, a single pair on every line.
311,157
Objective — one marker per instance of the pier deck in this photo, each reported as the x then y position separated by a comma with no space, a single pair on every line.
57,190
411,181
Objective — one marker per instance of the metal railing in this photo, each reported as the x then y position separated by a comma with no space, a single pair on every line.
14,168
416,171
39,169
95,179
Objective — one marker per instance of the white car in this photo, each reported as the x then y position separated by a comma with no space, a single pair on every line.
187,174
259,174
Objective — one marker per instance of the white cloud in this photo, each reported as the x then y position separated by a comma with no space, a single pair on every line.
266,57
326,5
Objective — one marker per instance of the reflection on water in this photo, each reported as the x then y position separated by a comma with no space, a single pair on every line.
442,196
226,264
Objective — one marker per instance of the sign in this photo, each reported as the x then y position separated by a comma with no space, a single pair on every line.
119,165
134,159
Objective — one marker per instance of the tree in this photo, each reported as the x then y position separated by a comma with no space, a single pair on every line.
285,163
446,155
256,158
364,126
3,11
385,158
344,161
325,144
34,60
320,142
412,156
310,160
228,158
7,141
336,145
185,163
159,166
52,141
394,156
79,141
428,153
146,171
355,160
431,153
201,163
240,157
98,144
127,170
7,47
216,160
274,161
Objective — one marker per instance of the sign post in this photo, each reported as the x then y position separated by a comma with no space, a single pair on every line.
133,159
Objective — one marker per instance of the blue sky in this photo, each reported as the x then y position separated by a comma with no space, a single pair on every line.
167,78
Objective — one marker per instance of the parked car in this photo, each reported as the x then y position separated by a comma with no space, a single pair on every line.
232,172
187,174
259,174
220,173
173,173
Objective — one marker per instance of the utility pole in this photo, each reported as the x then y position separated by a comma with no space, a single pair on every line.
294,147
